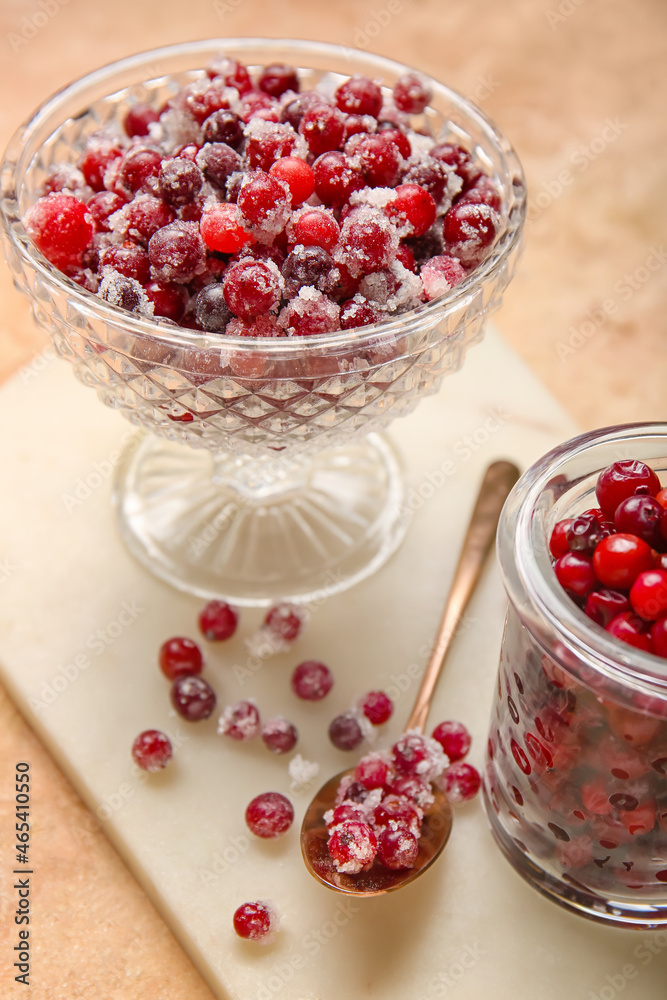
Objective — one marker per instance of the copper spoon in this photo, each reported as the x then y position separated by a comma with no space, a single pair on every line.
498,481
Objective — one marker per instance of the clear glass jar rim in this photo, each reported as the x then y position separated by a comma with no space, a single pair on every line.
540,601
419,320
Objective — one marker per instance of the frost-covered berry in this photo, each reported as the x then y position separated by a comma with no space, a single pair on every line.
61,227
377,707
252,288
177,252
255,922
263,206
359,96
440,274
179,181
312,680
279,735
454,739
218,621
345,732
352,846
240,721
152,750
412,93
269,815
469,230
460,782
309,313
193,698
398,848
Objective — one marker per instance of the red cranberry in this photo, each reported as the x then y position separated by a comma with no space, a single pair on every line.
309,314
179,181
412,93
103,205
648,595
659,637
152,750
218,621
221,231
139,168
240,721
380,160
312,680
584,533
400,140
411,754
371,771
269,815
469,230
345,732
177,251
619,559
575,574
218,161
305,266
316,227
263,205
211,310
145,215
359,96
193,698
336,178
251,288
483,191
180,657
352,846
641,516
268,142
367,244
256,104
432,175
129,259
405,256
96,161
344,812
454,739
277,78
631,629
398,848
298,176
254,922
413,209
223,126
279,735
138,119
397,810
231,73
323,128
620,480
168,300
463,165
60,227
284,621
294,111
661,497
358,312
603,605
558,544
377,707
440,274
460,782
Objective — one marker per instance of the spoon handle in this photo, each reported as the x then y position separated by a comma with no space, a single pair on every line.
499,479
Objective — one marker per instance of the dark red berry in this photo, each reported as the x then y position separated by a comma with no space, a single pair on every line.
359,96
139,168
345,732
138,119
193,698
469,230
254,922
264,206
218,621
463,165
413,209
95,162
454,739
145,215
279,735
168,300
412,92
336,178
323,128
180,657
251,288
377,707
584,534
603,605
312,680
619,559
240,721
460,782
558,544
631,629
277,78
659,637
152,750
179,181
648,595
641,516
620,480
269,815
575,573
398,848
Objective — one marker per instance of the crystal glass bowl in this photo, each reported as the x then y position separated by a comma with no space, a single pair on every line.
263,474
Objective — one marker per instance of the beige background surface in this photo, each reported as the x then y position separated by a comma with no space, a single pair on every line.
579,86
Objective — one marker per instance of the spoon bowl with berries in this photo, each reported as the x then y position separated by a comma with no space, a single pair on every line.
379,826
261,252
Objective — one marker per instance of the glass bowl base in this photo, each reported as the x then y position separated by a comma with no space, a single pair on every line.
253,531
574,896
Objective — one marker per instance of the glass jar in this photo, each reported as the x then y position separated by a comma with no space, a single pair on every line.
575,781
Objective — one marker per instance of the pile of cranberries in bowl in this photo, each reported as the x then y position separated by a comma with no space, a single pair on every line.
245,205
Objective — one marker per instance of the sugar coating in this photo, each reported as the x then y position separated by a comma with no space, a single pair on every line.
259,130
242,717
302,772
313,308
116,288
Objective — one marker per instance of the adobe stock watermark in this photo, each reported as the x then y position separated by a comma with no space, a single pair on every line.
565,9
32,24
623,289
580,160
449,978
311,945
461,452
101,472
399,684
93,646
377,22
645,952
223,860
38,364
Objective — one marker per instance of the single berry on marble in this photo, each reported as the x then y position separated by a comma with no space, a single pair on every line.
279,735
240,721
193,698
180,657
218,621
345,732
254,922
312,680
269,815
152,750
377,707
454,739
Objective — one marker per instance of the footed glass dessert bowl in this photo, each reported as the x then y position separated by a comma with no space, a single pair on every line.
263,473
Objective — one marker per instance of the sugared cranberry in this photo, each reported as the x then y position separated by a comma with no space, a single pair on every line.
413,209
641,516
193,698
138,119
469,230
412,92
251,288
231,73
152,750
211,310
218,621
139,168
380,160
145,215
268,142
263,206
352,846
460,782
240,721
255,104
371,771
558,544
323,128
366,244
603,605
377,707
454,739
575,573
336,178
298,176
440,274
223,126
398,848
217,161
103,205
221,230
168,300
433,176
127,258
180,657
61,227
284,621
312,680
177,251
279,735
483,191
648,595
345,732
315,227
619,559
254,922
277,78
310,313
179,181
620,480
397,810
631,629
359,96
411,754
463,165
96,161
359,312
269,815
